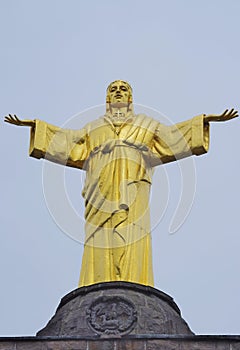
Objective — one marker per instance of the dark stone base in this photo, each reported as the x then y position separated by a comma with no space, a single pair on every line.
154,342
119,316
116,309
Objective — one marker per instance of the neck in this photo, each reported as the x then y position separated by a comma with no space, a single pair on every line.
117,108
118,114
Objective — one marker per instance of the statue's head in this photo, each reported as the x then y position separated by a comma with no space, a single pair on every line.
119,92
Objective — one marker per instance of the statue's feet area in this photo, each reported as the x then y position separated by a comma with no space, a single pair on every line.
116,309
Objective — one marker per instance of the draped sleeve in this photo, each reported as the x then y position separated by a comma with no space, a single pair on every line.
63,146
181,140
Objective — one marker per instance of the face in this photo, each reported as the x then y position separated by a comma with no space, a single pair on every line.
119,93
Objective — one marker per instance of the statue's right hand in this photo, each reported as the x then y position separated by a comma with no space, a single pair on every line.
13,119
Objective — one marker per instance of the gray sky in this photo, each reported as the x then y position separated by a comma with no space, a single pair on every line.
182,59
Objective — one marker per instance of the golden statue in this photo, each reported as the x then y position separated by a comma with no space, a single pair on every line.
118,152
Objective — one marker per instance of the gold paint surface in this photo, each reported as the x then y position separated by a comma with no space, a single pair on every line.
118,152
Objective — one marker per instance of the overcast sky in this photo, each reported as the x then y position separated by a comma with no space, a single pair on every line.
182,59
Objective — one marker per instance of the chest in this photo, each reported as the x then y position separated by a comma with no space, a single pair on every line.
130,133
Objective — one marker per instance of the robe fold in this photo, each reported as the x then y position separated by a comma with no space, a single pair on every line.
119,163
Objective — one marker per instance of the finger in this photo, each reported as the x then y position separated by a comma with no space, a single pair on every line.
231,111
231,114
225,112
9,120
16,117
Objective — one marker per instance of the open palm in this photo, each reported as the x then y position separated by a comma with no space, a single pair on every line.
13,119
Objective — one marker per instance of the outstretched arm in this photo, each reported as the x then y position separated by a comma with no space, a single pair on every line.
16,121
226,115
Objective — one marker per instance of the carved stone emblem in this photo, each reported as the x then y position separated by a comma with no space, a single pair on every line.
112,315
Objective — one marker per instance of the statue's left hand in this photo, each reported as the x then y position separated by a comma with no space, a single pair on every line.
19,122
226,115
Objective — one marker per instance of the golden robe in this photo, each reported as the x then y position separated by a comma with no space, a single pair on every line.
118,162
